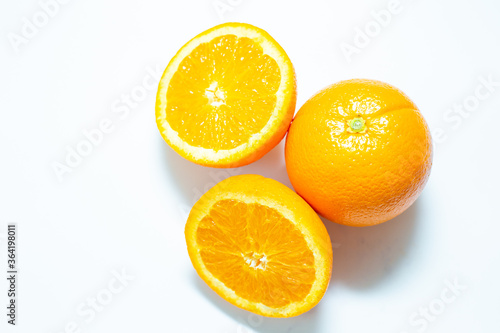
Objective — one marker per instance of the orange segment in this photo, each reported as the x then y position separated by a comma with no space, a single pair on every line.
260,246
263,246
227,97
243,101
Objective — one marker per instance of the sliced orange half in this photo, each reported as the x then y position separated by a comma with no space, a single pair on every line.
227,97
260,246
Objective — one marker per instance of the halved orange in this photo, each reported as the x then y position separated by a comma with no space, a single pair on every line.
227,97
260,246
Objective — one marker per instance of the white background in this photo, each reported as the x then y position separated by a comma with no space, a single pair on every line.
124,206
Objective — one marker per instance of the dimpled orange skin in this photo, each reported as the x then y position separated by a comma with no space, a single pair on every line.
353,173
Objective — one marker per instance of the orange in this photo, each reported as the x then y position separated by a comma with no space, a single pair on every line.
359,152
260,246
227,97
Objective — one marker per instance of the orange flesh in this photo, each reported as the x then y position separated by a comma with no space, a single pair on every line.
222,93
256,252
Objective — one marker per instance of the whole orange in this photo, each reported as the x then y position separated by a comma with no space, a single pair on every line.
359,152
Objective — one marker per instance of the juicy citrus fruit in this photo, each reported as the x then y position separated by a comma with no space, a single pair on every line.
359,152
260,246
227,97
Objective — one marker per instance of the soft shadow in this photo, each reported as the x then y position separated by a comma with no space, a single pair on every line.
304,323
272,165
193,180
364,256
